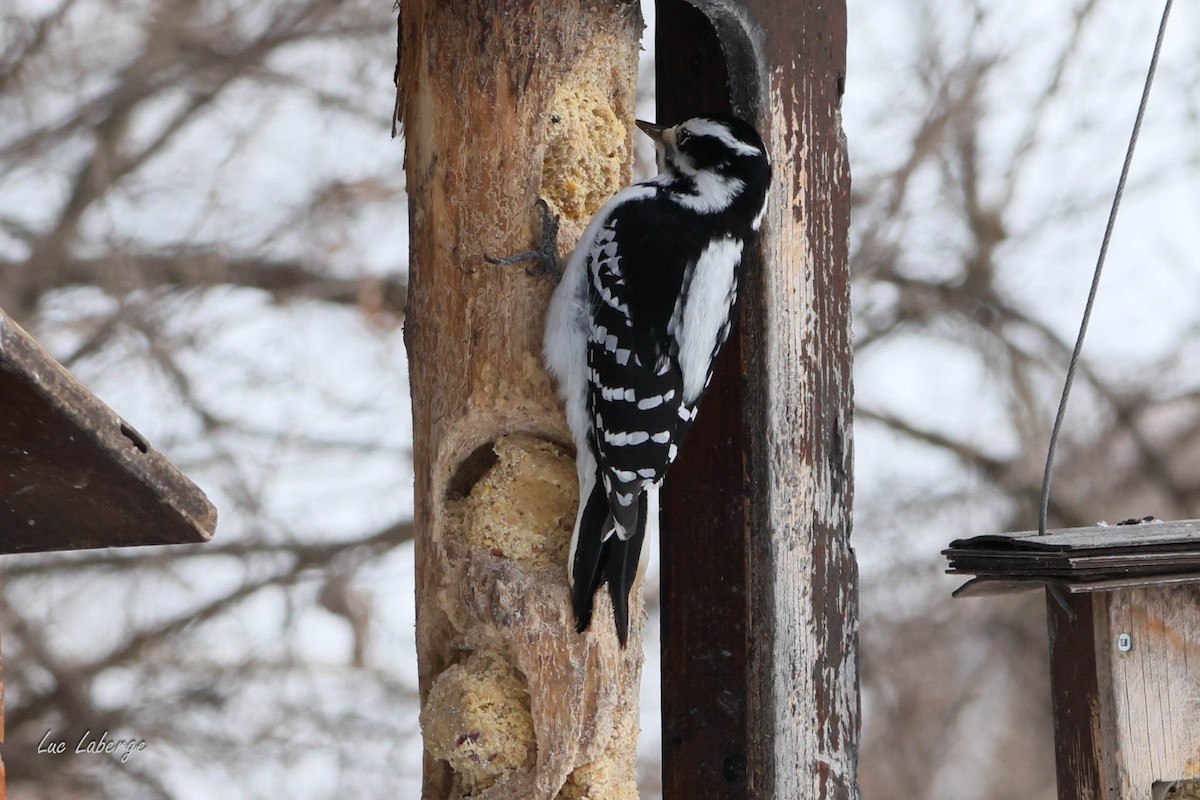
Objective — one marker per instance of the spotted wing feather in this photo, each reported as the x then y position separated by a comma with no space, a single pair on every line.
637,266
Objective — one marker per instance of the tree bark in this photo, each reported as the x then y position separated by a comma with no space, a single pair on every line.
503,102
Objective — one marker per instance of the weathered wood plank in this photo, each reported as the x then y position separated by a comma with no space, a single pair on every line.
1100,558
990,585
1088,560
1097,537
75,475
1156,686
803,577
1125,677
3,775
703,546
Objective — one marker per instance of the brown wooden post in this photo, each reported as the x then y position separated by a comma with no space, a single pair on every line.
1084,767
703,576
503,102
760,675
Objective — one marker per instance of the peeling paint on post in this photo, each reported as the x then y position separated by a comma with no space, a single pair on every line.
777,422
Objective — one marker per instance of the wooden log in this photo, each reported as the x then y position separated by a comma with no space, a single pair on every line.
75,475
764,703
503,101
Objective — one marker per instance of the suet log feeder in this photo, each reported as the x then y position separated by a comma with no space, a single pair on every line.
1123,603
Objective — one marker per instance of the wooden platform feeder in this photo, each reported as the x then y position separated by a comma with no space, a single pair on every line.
73,474
1123,603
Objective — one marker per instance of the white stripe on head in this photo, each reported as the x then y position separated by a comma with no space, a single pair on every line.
718,131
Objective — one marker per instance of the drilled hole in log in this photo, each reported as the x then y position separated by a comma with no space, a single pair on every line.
611,776
469,472
135,437
518,500
477,719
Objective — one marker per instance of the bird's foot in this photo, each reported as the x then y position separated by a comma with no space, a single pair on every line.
545,258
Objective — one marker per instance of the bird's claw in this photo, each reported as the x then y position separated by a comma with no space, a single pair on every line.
545,258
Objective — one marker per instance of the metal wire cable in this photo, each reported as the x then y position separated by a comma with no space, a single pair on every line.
1087,311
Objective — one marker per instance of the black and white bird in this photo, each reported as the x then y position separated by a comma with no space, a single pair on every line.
643,308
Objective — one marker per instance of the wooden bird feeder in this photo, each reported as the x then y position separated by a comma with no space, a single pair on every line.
1123,603
73,474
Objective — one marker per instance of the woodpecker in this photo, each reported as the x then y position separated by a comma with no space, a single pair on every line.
643,307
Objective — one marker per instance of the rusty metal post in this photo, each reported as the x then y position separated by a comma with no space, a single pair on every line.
760,680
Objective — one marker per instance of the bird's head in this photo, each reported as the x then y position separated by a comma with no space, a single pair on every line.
722,155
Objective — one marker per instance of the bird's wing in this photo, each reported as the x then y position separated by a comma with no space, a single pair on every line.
637,265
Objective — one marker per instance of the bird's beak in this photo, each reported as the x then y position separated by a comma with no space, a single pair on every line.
655,132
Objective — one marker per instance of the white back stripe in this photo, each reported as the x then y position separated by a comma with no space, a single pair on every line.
706,312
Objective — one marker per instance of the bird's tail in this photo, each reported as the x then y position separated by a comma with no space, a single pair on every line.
599,555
